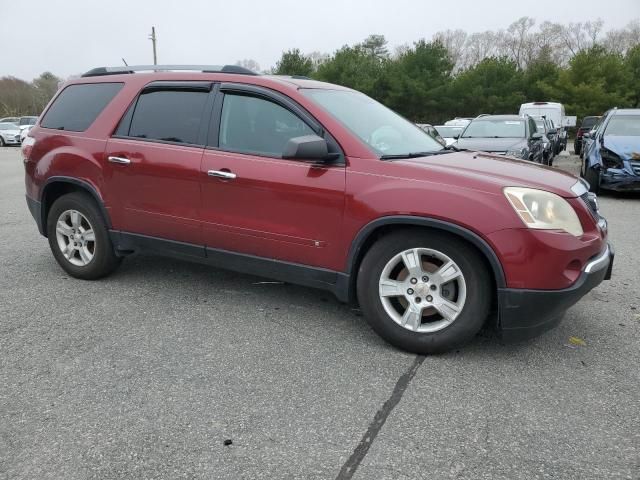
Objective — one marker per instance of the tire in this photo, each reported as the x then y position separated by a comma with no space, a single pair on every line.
576,149
2,142
593,177
92,259
471,292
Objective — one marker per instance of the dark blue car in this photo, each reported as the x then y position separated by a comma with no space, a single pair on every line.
612,153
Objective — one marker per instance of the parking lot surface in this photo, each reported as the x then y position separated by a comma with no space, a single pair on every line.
148,373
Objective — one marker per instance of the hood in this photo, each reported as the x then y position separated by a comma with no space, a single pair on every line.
627,148
492,144
490,173
13,131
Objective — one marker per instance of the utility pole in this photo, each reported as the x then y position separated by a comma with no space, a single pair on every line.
152,37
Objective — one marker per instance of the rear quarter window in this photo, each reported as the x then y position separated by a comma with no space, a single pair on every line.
77,106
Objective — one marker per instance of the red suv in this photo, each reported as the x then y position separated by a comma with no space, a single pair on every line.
316,184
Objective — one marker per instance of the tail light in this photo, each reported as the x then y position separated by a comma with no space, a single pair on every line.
27,146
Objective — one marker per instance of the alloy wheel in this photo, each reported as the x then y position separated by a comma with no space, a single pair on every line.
422,290
76,238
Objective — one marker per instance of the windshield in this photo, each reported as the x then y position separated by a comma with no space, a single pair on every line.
589,122
28,120
386,132
495,128
624,126
449,132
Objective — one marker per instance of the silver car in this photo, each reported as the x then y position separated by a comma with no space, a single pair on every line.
9,134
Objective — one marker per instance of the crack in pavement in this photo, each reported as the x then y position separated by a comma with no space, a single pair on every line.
353,462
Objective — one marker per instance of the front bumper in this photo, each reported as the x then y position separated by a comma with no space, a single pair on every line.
525,314
11,140
621,180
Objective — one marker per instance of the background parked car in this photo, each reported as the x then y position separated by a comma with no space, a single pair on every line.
553,111
27,121
449,133
430,130
9,134
586,125
587,138
511,135
459,121
612,160
549,139
15,120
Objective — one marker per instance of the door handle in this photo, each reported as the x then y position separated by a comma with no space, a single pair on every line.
120,160
221,174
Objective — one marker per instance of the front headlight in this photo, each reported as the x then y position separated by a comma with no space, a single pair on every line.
520,153
543,210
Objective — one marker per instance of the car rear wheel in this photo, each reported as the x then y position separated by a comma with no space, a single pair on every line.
1,142
79,238
425,292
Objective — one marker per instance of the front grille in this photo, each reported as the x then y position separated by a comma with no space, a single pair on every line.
591,201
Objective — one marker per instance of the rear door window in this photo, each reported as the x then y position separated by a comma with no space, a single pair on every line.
77,106
169,115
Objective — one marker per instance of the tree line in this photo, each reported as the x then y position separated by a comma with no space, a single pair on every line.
453,73
18,97
587,69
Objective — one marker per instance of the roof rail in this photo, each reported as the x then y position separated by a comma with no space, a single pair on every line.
100,71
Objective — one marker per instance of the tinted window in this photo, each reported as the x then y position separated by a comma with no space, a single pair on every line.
78,106
168,115
255,125
589,122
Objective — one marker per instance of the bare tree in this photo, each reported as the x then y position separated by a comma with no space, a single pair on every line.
454,41
517,41
480,46
622,40
249,64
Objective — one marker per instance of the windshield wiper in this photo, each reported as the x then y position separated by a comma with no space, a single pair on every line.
407,155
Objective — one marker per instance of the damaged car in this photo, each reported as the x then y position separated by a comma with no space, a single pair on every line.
612,161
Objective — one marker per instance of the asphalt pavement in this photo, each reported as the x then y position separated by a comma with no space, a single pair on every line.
175,370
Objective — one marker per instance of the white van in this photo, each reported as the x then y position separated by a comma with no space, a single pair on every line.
553,111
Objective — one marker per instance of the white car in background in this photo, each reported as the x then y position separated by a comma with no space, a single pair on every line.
15,120
449,133
9,134
458,122
24,131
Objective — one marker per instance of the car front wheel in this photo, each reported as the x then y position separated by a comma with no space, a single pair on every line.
425,292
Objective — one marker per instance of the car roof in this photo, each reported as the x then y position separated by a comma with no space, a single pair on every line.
627,111
499,117
216,73
541,104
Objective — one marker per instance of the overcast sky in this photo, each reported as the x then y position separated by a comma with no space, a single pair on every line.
71,36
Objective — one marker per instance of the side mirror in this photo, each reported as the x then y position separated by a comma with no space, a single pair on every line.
586,135
456,137
536,136
308,147
553,131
